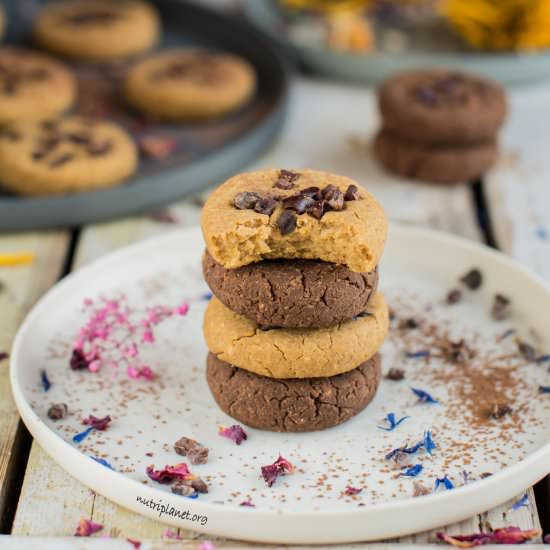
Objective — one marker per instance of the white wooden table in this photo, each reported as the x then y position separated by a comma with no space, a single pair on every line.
328,127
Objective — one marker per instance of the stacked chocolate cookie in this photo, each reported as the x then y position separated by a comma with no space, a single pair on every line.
296,322
439,126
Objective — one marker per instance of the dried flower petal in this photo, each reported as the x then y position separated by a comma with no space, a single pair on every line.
417,354
87,527
206,545
392,422
140,372
349,490
271,472
445,481
522,502
544,389
103,462
247,504
235,433
429,444
82,435
44,380
78,360
543,358
135,543
169,473
504,535
169,534
413,471
96,423
424,396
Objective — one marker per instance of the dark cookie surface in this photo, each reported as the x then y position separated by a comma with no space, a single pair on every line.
292,293
429,163
292,405
442,107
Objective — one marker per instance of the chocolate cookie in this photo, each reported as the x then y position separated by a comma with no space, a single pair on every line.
300,214
33,85
431,163
292,405
291,293
298,352
439,106
189,84
97,30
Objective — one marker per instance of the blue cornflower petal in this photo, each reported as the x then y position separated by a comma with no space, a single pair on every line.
82,435
413,471
194,495
445,481
46,384
544,389
429,444
424,396
392,422
523,501
206,296
102,461
543,358
417,354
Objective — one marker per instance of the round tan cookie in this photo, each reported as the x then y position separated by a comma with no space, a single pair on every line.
33,85
295,353
69,155
97,30
354,236
190,83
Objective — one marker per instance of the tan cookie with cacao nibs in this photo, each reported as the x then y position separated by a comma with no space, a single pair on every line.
189,84
63,156
295,353
97,30
304,214
33,85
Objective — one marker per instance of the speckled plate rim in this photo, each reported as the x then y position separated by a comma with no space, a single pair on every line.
390,519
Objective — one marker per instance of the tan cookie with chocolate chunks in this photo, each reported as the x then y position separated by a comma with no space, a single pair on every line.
97,30
33,85
189,84
64,156
295,353
292,405
304,214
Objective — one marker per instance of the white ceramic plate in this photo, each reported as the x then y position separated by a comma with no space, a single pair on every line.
418,269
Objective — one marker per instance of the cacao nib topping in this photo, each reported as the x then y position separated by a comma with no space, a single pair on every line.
499,411
61,160
57,411
317,209
313,192
299,203
395,374
472,279
500,308
183,489
197,453
199,485
286,179
246,200
287,222
454,296
333,197
352,193
10,134
526,350
265,205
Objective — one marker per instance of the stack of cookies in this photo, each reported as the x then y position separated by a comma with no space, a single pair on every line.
440,126
296,322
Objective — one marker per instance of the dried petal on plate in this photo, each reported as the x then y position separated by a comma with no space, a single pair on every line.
82,435
44,380
349,490
417,354
135,543
271,472
235,433
206,545
504,535
521,503
445,481
423,396
96,423
87,527
169,473
392,422
103,462
247,504
429,444
413,471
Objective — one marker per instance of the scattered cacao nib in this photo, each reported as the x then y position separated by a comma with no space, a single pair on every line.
78,360
99,148
333,197
299,203
3,355
473,279
352,193
313,192
183,489
419,489
485,475
527,351
500,309
317,209
57,411
499,411
265,205
197,453
454,296
156,147
408,324
286,179
287,222
456,352
199,485
395,374
363,314
246,200
59,161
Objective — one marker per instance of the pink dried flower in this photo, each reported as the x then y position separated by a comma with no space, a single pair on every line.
235,433
271,472
248,503
505,535
100,424
135,543
170,534
206,545
182,309
86,528
140,372
148,337
352,490
170,473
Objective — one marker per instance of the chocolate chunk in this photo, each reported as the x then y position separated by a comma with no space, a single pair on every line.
499,411
265,205
57,411
333,197
197,453
246,200
317,209
78,360
472,279
313,192
352,193
183,489
485,475
281,183
500,309
408,324
527,351
199,485
10,134
300,203
456,352
395,374
419,489
63,159
75,137
287,222
454,296
98,148
286,179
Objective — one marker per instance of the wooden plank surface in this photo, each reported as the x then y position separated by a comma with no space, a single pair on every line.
337,141
20,287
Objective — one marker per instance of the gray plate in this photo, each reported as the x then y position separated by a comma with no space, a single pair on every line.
371,68
206,153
